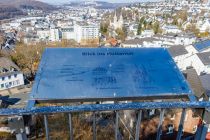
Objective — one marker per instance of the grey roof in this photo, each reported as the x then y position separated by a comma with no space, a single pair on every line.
195,83
204,57
205,80
140,40
177,50
166,36
133,41
7,64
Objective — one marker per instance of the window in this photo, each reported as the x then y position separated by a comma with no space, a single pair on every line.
15,75
18,82
3,78
9,77
2,85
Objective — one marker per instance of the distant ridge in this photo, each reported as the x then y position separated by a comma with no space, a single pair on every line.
98,4
13,8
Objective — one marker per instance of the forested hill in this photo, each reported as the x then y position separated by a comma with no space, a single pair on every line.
13,8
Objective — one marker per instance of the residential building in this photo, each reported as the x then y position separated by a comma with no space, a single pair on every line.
80,32
142,42
54,34
147,33
199,47
68,33
196,84
176,39
43,34
90,32
204,26
205,80
30,39
179,53
171,29
10,75
199,61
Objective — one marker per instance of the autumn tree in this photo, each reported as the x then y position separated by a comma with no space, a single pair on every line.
104,28
121,35
156,27
27,58
193,29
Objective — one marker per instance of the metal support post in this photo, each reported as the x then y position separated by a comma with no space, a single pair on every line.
116,125
70,127
94,126
181,125
46,127
138,124
159,129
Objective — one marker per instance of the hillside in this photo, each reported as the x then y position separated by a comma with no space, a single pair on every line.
13,8
97,4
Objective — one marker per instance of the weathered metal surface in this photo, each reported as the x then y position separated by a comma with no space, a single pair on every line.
103,107
107,73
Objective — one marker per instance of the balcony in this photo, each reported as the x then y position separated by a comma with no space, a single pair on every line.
120,127
109,93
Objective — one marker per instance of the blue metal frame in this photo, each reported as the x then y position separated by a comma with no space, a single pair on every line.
103,107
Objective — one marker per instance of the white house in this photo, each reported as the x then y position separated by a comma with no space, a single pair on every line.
80,32
171,29
176,39
54,34
142,42
179,53
43,34
31,39
204,26
147,33
10,75
186,25
199,61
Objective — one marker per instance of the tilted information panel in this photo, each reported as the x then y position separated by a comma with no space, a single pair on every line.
107,73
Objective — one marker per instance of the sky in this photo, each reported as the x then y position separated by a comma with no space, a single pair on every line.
113,1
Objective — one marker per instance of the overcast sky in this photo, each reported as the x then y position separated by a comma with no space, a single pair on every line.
115,1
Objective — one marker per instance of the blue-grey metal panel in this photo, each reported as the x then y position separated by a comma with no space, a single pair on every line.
100,73
103,107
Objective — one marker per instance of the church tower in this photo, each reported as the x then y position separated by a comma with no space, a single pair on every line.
115,18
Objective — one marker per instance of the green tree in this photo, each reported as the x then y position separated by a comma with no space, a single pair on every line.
141,23
139,31
104,28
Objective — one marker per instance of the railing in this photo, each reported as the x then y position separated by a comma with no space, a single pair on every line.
138,106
